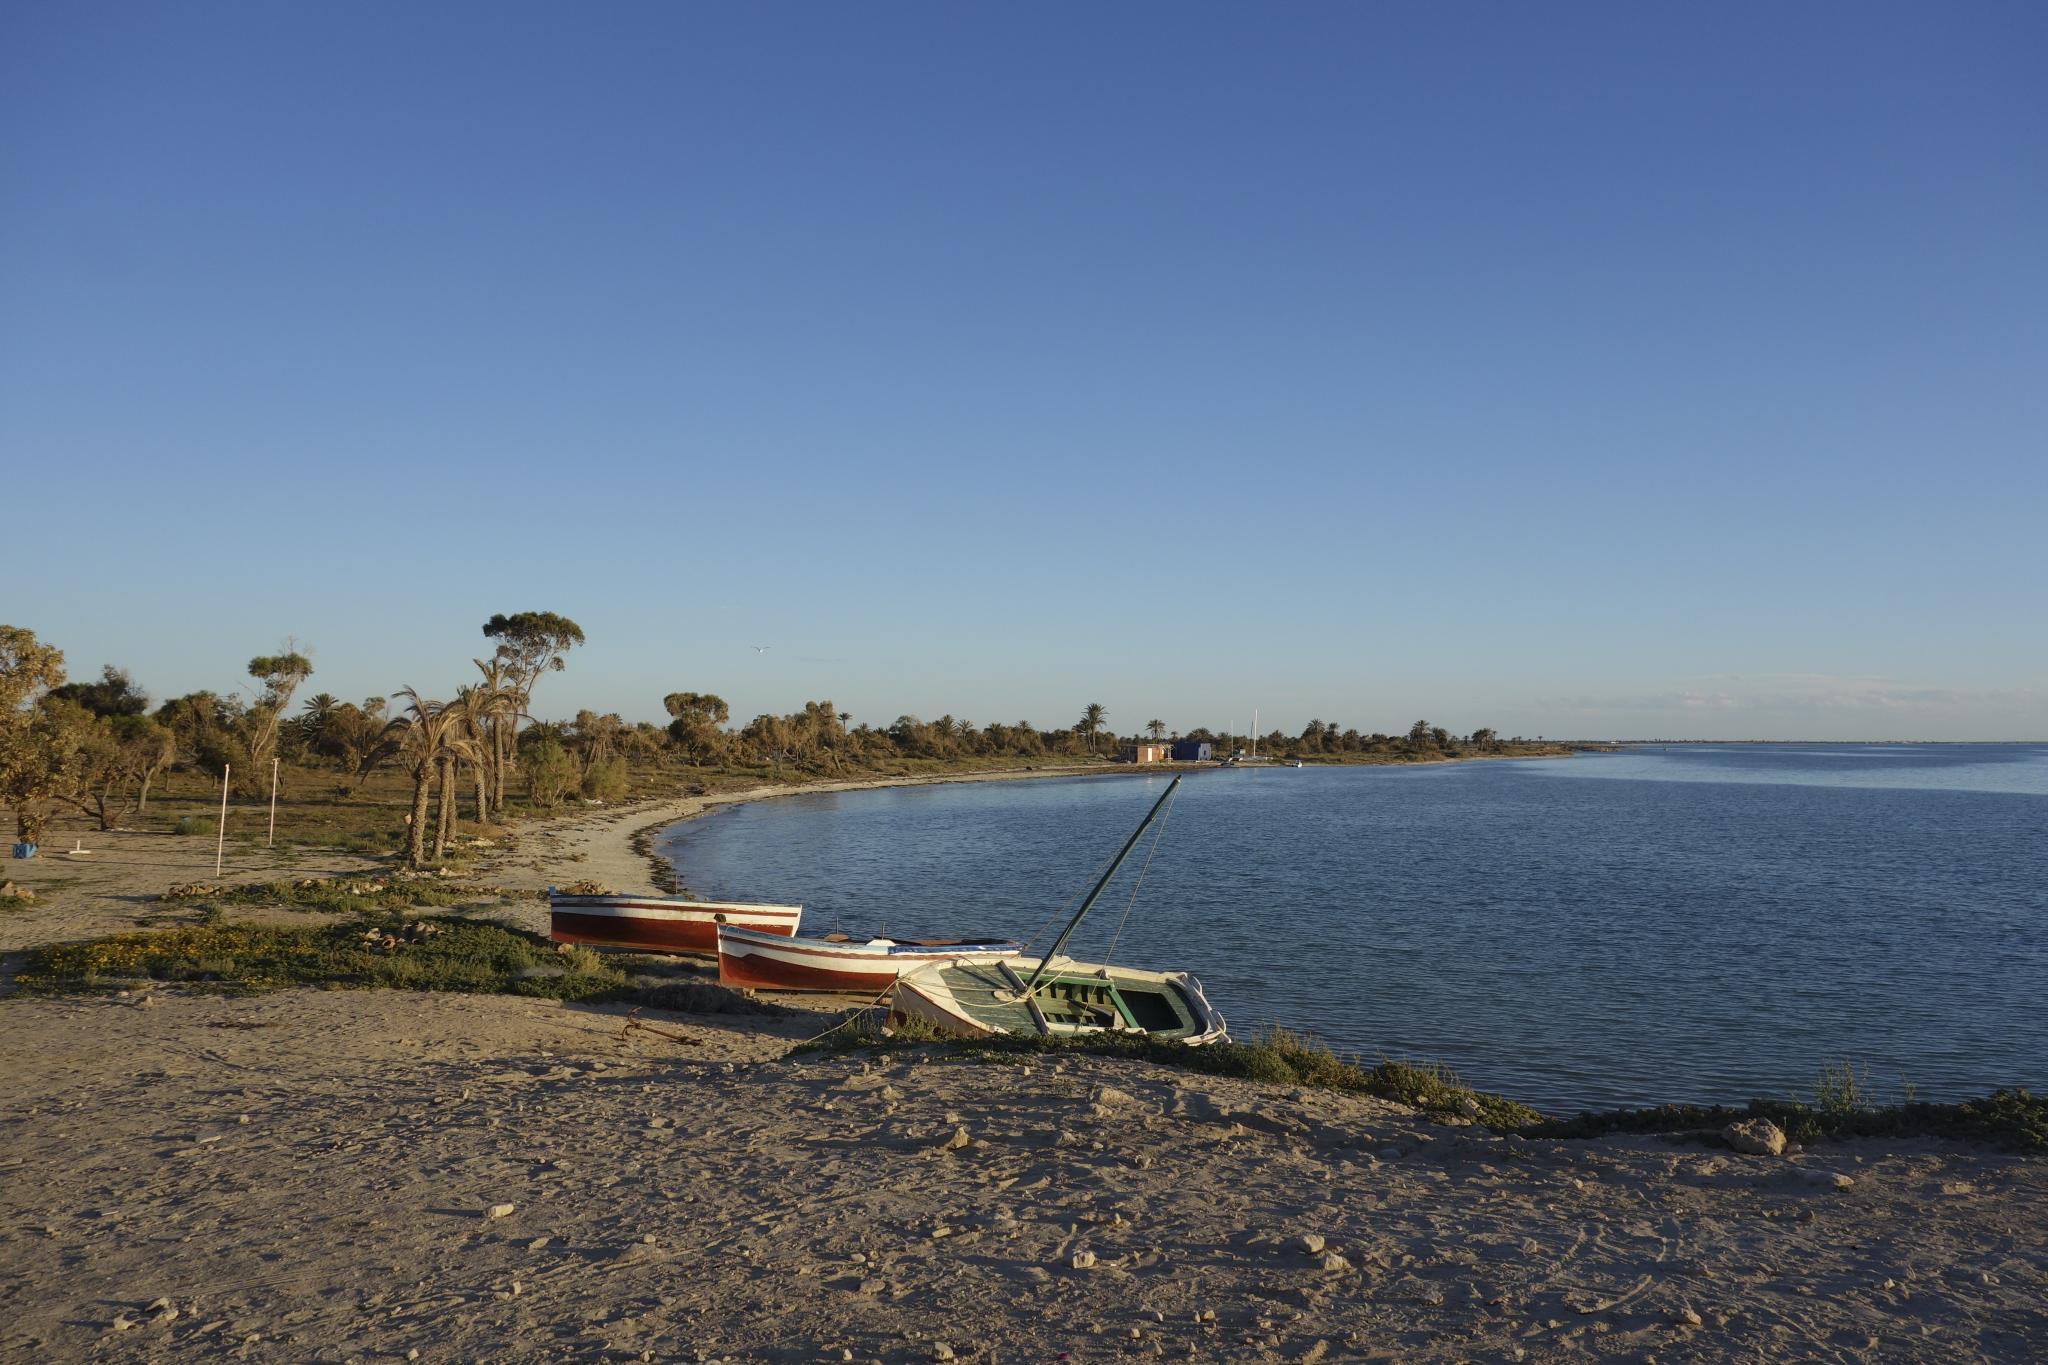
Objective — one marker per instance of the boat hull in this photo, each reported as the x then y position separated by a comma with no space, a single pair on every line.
660,924
971,1000
755,961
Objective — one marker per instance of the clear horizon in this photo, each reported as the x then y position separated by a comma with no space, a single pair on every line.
1607,373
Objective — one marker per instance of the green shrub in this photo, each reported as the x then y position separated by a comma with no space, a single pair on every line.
606,780
1841,1091
195,824
549,770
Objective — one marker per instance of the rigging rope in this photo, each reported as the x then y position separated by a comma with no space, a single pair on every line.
1049,920
1159,832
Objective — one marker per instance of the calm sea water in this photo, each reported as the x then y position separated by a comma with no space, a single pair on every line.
1690,923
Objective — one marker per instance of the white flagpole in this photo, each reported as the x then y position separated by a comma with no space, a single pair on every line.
272,841
220,842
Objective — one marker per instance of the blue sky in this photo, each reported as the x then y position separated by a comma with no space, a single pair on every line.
1602,369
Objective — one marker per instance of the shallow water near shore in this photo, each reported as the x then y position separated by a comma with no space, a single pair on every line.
1692,923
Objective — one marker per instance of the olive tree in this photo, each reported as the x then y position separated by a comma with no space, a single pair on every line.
29,670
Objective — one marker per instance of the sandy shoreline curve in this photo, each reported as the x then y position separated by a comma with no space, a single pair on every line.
615,846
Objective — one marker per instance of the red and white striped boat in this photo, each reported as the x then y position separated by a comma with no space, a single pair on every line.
835,962
660,924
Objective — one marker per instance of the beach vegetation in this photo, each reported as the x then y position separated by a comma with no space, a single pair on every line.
352,778
495,707
530,644
207,728
605,779
114,759
247,958
115,694
432,740
280,674
2013,1118
87,746
1842,1090
1277,1056
364,895
549,771
30,762
358,738
436,954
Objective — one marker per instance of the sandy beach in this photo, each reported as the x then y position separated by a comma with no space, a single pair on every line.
340,1175
354,1176
120,885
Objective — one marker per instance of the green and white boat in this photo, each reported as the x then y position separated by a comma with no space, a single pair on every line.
1054,996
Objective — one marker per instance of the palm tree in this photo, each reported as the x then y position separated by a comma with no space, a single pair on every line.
309,728
1092,717
1156,728
476,706
360,738
430,742
497,711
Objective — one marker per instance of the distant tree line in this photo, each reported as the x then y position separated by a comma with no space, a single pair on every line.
99,746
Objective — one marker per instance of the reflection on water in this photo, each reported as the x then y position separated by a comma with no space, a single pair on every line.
1683,923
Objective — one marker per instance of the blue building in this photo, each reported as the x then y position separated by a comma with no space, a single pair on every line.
1193,751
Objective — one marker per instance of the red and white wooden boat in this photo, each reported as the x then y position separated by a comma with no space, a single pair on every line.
660,924
771,962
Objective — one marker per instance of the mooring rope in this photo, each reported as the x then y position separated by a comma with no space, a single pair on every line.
856,1013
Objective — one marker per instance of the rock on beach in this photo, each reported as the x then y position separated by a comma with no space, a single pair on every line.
1756,1137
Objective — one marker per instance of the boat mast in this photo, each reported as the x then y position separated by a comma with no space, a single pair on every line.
1100,886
